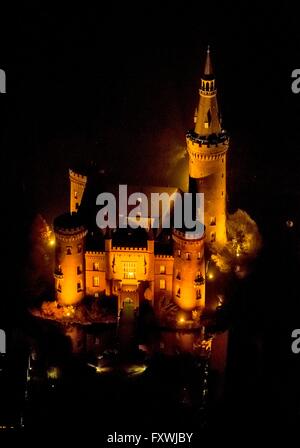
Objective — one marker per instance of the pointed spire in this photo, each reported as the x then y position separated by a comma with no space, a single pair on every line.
207,121
208,70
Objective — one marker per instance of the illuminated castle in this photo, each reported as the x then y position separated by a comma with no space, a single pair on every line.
138,264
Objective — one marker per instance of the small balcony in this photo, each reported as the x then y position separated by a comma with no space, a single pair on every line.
199,280
58,274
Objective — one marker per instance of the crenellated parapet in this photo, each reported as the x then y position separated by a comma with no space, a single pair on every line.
94,253
70,235
129,249
163,257
77,177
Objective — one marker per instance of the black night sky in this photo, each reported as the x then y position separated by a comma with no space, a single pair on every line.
118,85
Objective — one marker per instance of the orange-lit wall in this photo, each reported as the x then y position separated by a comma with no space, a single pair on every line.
77,187
207,169
129,273
70,268
161,262
95,265
188,262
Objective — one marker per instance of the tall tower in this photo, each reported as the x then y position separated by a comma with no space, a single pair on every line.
69,259
77,187
207,145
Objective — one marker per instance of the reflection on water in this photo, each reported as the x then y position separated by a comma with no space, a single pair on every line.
136,375
95,339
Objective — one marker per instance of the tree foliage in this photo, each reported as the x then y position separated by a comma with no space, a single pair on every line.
243,245
39,270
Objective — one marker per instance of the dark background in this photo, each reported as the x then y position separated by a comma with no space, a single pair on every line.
118,85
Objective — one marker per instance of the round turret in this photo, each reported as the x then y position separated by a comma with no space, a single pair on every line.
189,270
69,259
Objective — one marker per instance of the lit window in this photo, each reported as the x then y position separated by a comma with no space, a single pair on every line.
75,194
69,250
129,270
213,221
96,266
199,256
162,269
79,286
178,292
206,124
179,253
187,256
79,269
96,281
79,248
162,284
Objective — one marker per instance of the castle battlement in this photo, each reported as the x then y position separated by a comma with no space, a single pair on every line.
169,257
186,235
77,176
67,227
93,252
131,249
208,142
